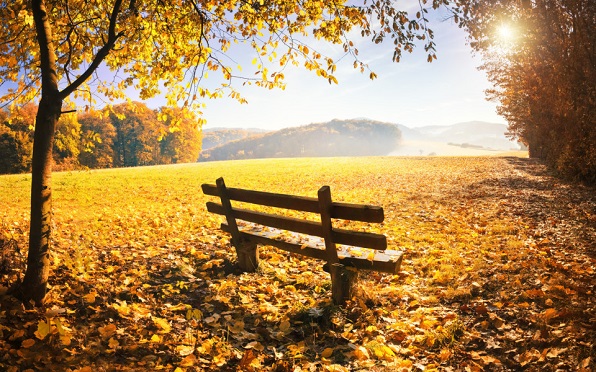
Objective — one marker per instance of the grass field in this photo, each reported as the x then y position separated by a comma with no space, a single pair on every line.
498,272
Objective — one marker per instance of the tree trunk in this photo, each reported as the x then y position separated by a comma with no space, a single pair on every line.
38,263
34,284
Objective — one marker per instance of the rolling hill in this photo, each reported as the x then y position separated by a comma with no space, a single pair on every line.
335,138
213,137
469,138
358,137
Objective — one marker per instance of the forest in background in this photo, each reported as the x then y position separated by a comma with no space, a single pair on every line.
126,135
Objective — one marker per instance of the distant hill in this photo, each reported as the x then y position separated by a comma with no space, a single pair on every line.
213,137
469,138
358,137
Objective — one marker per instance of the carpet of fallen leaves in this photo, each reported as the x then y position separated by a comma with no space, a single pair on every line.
499,272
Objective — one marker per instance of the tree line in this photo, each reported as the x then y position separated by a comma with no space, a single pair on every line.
126,135
543,75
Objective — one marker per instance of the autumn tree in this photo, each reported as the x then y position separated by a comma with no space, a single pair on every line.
541,57
52,49
137,134
96,148
66,142
9,157
16,147
181,143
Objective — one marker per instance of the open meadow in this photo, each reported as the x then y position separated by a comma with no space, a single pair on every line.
498,272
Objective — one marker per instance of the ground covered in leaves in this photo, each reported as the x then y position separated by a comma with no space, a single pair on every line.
498,274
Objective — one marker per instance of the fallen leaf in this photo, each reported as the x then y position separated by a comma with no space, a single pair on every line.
361,353
254,345
107,331
189,361
162,324
183,350
43,329
122,308
285,326
327,352
237,327
549,314
247,359
113,343
28,343
90,297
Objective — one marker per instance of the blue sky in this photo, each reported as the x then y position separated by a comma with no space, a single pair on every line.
412,92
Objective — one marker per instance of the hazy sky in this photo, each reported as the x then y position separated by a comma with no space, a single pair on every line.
412,92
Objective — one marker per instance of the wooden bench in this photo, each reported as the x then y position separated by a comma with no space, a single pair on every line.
340,248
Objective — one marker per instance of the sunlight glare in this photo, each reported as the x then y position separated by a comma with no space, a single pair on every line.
506,32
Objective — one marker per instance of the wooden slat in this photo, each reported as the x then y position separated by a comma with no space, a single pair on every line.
345,211
312,252
388,261
357,212
360,239
215,208
347,237
297,203
271,220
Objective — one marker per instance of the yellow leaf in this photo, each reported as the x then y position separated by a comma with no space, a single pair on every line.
113,343
255,345
122,308
361,353
162,324
189,361
65,339
43,329
90,297
384,352
28,343
155,339
327,352
178,307
185,350
444,355
107,331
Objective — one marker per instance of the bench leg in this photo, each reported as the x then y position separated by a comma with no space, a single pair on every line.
248,256
342,283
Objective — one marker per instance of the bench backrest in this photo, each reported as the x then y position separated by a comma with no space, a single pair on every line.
323,205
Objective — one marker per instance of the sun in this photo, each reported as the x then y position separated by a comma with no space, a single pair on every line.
506,33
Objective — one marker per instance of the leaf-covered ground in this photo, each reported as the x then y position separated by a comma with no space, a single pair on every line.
499,272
